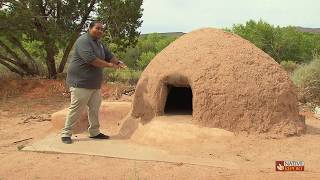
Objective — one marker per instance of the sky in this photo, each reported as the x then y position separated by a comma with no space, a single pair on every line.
187,15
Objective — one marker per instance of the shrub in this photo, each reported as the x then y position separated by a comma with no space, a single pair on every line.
281,43
145,59
128,76
289,66
307,78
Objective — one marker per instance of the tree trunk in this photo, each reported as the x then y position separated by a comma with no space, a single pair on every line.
67,52
50,61
75,36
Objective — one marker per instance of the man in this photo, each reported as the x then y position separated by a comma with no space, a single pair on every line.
84,77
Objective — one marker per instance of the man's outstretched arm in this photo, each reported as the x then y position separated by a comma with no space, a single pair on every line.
101,63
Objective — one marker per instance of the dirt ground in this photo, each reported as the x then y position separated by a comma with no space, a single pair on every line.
27,115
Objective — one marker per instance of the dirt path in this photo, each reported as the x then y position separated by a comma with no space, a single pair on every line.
22,118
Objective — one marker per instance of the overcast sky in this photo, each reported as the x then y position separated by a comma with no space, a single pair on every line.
186,15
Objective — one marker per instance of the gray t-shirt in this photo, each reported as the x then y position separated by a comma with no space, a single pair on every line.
81,74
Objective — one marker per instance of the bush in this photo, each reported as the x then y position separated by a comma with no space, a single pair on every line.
145,59
306,73
289,66
131,56
307,78
281,43
148,46
128,76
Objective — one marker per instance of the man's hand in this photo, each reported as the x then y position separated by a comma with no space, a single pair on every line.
117,63
101,63
122,65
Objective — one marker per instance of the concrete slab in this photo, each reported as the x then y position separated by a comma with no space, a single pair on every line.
120,149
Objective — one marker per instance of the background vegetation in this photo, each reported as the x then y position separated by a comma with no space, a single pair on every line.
36,37
281,43
297,52
28,51
138,57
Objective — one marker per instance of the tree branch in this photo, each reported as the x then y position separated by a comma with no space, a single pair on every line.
42,7
16,60
16,42
11,68
11,52
9,60
58,10
75,35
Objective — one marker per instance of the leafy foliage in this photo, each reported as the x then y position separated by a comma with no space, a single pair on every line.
138,57
54,27
307,78
147,47
281,43
122,19
144,59
128,76
289,66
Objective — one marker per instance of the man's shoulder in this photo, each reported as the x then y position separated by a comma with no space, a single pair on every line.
83,38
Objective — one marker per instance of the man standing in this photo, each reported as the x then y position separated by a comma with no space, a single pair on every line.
84,76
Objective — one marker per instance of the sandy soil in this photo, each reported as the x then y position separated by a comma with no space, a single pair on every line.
23,118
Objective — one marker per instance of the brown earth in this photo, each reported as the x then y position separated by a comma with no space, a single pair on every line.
235,85
22,117
111,113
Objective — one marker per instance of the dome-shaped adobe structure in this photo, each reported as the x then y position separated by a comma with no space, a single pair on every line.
221,79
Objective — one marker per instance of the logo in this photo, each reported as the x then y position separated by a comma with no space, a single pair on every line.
289,166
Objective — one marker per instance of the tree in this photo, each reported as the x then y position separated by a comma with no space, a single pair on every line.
50,22
281,43
56,25
9,58
122,19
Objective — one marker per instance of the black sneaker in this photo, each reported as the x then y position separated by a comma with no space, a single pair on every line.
100,136
66,140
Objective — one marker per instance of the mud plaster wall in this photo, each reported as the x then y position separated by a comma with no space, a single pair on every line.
235,85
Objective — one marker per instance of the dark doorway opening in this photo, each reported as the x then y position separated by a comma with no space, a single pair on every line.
179,100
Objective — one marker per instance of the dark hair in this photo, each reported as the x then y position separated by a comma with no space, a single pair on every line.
93,23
